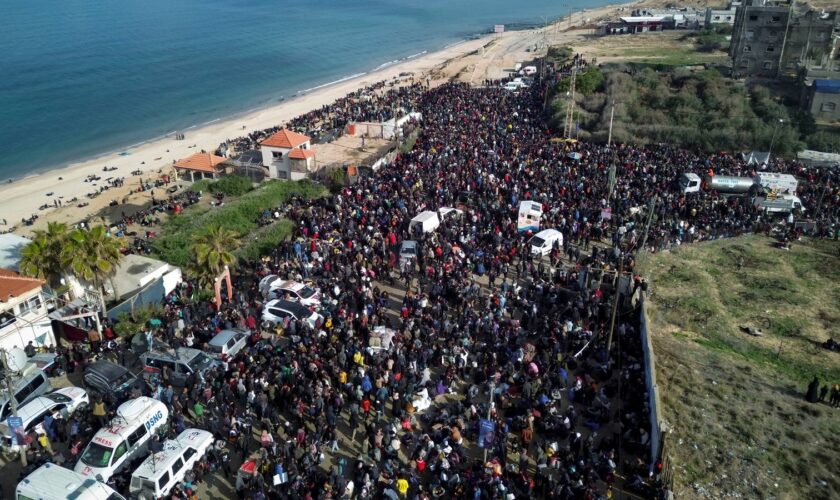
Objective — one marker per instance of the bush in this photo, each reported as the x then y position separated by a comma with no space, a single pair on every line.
234,185
825,141
240,215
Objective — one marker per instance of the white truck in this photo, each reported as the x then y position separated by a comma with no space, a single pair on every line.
779,183
424,222
781,204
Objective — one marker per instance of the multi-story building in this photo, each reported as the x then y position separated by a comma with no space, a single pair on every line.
771,39
23,312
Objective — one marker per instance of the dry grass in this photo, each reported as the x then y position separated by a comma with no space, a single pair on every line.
671,48
734,402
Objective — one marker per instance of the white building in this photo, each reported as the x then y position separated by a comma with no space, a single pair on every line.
23,312
287,155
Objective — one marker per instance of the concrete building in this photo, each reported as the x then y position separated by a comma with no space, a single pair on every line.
720,16
288,155
199,166
23,312
139,281
773,39
824,100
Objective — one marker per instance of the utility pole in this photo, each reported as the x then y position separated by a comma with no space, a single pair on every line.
13,404
567,132
612,114
784,39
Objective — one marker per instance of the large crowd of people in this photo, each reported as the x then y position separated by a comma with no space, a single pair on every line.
498,381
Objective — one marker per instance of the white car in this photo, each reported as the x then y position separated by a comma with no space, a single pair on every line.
228,343
276,311
60,403
275,288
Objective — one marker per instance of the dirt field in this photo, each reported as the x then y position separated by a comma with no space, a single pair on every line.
672,48
739,425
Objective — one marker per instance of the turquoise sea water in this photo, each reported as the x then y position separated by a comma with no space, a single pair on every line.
80,78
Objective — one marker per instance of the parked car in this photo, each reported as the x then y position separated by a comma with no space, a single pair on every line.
182,363
273,287
61,404
45,361
111,380
229,342
25,388
408,252
276,311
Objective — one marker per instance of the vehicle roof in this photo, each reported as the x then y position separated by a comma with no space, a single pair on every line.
181,354
288,285
424,215
172,448
692,176
53,481
293,307
107,369
545,233
530,205
27,411
222,337
130,411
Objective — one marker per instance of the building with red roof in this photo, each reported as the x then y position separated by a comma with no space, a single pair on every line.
288,155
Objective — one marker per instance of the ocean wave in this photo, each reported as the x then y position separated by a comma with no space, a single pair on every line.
344,79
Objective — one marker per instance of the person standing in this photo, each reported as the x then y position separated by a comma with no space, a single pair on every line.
811,395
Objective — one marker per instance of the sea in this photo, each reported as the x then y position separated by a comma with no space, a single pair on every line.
82,78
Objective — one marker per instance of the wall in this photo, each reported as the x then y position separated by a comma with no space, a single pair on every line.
656,424
32,325
821,100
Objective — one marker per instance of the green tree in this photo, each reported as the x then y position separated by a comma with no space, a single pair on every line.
46,257
212,251
94,256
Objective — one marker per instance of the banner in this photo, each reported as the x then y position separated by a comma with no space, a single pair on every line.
15,426
499,28
486,433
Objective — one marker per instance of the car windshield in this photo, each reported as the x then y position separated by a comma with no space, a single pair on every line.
97,455
537,241
58,397
407,251
200,362
306,292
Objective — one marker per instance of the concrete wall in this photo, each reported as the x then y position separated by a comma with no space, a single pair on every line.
656,424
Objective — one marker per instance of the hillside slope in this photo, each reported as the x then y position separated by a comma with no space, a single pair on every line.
735,402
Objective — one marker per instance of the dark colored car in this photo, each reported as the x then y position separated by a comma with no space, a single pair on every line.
111,380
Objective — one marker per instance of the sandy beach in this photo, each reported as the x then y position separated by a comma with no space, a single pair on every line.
489,56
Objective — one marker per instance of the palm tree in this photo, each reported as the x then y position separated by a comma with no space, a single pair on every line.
213,251
93,256
46,257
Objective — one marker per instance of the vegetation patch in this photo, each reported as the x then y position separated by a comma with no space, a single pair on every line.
734,402
240,215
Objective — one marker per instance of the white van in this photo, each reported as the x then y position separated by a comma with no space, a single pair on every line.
124,439
424,222
528,71
30,385
161,471
780,183
530,213
542,242
51,482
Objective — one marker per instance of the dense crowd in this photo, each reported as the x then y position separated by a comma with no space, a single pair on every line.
482,329
378,102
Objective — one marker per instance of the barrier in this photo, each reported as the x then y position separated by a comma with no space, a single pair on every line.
656,424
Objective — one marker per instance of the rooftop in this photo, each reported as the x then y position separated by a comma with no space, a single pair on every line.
10,248
201,162
13,284
301,154
285,139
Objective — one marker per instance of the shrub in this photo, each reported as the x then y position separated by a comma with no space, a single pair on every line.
234,185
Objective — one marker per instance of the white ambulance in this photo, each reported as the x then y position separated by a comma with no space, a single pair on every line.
51,482
160,472
125,438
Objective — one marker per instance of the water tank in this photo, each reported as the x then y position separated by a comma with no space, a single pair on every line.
729,184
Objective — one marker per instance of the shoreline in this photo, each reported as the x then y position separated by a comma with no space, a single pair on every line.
23,197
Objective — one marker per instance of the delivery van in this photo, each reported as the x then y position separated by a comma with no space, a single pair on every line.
424,222
52,482
530,213
690,182
779,183
125,438
156,476
543,242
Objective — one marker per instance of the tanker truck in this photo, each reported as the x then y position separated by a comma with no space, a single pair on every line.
731,185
